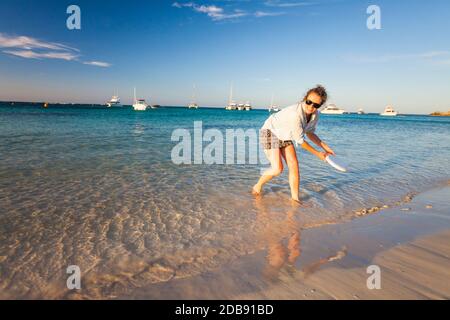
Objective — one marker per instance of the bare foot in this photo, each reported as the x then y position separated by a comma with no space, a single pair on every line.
256,191
297,202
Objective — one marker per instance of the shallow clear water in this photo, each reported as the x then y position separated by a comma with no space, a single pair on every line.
97,188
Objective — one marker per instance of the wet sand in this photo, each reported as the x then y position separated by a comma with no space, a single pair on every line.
284,259
417,270
409,243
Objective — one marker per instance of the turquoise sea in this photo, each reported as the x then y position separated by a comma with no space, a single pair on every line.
97,188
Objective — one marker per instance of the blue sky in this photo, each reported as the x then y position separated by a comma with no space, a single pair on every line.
262,47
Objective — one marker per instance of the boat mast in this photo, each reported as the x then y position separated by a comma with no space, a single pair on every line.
231,94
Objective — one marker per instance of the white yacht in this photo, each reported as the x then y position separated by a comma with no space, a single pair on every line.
332,109
241,106
231,104
193,105
248,106
389,111
361,111
139,104
273,108
114,102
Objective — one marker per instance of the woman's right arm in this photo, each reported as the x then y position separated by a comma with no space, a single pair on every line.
318,154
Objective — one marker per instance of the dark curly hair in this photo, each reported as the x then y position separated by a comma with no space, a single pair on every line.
320,91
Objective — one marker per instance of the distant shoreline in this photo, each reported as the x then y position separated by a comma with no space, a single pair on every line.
99,105
440,114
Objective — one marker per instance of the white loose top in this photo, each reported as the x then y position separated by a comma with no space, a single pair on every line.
291,123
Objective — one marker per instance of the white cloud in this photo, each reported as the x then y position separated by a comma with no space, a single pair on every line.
29,43
214,12
209,10
98,64
261,14
182,5
217,13
31,48
29,54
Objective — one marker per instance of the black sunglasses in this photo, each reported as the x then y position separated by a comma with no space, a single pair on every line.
315,105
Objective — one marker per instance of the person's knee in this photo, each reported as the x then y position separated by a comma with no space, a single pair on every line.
277,170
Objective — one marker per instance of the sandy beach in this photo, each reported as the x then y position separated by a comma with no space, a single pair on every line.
228,150
409,243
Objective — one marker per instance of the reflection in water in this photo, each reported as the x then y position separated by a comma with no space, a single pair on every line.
280,233
138,130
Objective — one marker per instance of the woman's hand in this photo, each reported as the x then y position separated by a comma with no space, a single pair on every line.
322,155
328,149
318,154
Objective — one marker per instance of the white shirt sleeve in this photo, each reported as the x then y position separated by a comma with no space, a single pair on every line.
298,134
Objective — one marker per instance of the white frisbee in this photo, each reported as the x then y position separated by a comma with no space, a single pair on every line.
336,163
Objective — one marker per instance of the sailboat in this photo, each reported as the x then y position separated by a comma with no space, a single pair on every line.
193,105
231,104
272,107
139,104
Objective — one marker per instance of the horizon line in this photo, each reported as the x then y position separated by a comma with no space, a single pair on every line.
182,106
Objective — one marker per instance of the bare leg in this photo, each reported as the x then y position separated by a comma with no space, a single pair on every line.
290,157
274,156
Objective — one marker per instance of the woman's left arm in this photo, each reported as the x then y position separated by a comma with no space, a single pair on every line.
314,138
